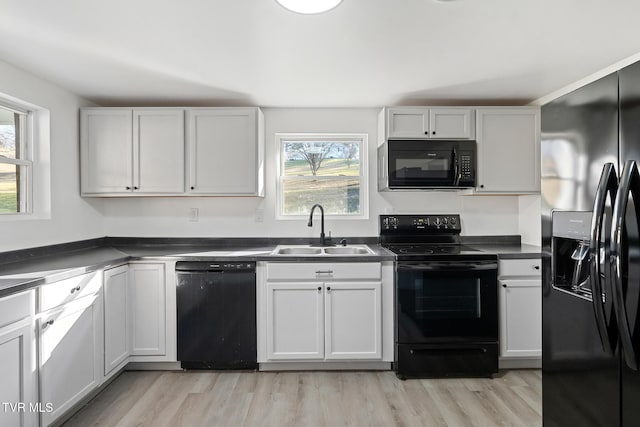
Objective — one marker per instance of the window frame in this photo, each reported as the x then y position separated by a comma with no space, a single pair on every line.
25,159
361,138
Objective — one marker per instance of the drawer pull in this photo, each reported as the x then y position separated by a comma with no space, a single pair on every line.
76,289
319,289
49,323
324,272
537,267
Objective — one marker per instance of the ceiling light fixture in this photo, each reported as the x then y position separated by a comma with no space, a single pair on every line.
309,7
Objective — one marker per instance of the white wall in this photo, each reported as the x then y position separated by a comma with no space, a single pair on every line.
236,217
70,217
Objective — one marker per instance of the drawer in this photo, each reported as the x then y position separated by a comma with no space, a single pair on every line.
324,271
16,307
519,267
64,291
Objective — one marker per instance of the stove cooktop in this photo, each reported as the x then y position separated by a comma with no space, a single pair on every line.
430,249
426,237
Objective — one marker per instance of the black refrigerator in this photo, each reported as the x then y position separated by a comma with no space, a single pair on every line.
590,143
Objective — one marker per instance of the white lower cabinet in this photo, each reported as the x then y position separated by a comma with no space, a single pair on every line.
152,312
295,321
319,315
116,319
70,356
353,320
17,356
520,309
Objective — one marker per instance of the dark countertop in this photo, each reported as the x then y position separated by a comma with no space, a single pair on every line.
31,268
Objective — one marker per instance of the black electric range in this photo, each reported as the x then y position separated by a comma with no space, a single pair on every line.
446,317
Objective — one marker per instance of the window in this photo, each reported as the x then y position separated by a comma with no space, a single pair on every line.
15,161
322,168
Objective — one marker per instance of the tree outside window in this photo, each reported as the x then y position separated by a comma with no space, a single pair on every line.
324,169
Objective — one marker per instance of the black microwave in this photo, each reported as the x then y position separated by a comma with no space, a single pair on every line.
426,164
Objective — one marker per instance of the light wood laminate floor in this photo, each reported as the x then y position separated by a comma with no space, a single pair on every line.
512,398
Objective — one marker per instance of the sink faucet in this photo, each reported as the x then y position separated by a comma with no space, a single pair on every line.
323,241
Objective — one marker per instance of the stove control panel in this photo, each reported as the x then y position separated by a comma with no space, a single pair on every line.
427,224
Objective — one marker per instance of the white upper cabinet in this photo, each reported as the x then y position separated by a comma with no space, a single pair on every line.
508,150
158,151
106,150
226,151
128,151
451,123
432,123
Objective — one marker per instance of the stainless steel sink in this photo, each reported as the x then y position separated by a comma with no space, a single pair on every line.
334,250
298,251
348,251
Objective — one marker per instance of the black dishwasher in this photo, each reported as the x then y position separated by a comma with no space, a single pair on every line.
216,314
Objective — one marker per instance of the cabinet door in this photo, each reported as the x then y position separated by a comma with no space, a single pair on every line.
353,320
158,155
116,325
17,373
295,329
407,123
508,150
223,151
521,318
451,123
70,354
147,309
106,151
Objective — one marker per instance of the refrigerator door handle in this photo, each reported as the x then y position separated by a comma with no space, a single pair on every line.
607,186
629,184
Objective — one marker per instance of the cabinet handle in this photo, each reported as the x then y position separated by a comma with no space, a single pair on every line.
193,188
328,288
76,289
319,289
504,285
128,188
434,132
481,186
135,188
426,132
324,272
49,323
537,267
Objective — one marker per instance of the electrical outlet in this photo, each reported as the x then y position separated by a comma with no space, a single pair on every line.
194,215
259,215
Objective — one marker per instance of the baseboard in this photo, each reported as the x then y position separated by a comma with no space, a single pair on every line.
520,363
153,366
325,366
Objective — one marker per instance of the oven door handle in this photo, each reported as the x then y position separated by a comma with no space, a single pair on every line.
448,266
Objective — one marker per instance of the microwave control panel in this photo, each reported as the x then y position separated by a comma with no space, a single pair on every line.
466,168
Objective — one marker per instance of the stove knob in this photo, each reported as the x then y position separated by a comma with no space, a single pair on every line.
452,221
438,222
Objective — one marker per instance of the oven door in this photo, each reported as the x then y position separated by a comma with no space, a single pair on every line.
448,301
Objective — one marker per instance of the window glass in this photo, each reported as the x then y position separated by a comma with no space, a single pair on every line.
15,166
321,169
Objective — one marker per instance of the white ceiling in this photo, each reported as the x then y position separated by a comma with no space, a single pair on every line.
364,53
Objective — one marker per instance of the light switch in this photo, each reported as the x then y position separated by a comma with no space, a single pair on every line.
193,215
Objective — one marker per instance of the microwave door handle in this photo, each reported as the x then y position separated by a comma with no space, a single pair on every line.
629,184
607,185
456,168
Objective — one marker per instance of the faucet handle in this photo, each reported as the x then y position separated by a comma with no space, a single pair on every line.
342,242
